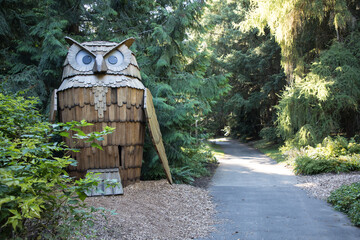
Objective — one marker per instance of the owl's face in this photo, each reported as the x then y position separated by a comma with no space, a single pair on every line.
100,58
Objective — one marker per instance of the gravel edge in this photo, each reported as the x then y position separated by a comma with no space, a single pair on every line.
320,186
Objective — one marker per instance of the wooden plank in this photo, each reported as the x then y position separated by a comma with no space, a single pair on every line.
123,113
122,95
112,136
138,156
116,160
134,93
132,159
65,99
105,115
110,156
112,112
131,175
119,138
78,113
124,177
93,154
108,97
91,97
71,95
92,114
102,159
104,142
87,113
86,92
139,98
81,97
128,133
87,153
73,114
60,99
155,133
53,106
113,95
128,97
138,174
133,60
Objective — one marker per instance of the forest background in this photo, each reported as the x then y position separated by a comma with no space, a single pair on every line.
287,71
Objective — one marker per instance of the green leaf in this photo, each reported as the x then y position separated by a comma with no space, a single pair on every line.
65,134
93,144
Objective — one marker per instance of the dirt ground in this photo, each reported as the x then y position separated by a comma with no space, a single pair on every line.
157,210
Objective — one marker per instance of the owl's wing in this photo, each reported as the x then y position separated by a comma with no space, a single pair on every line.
155,133
53,106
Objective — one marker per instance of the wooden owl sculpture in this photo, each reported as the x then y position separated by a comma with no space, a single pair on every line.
101,84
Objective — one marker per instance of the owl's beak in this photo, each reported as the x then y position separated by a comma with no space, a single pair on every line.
100,65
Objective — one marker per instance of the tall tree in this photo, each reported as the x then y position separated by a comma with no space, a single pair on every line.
319,52
253,64
32,43
168,49
302,28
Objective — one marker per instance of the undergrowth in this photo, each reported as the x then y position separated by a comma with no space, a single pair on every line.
196,166
346,199
332,155
38,200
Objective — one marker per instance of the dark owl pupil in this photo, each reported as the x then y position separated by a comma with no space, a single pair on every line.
86,59
113,59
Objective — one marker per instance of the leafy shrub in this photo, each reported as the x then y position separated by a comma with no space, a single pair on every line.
36,194
332,155
193,165
347,199
325,100
309,166
269,134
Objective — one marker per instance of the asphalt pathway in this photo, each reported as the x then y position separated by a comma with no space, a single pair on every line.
258,199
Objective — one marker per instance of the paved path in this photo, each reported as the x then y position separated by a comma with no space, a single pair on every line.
258,199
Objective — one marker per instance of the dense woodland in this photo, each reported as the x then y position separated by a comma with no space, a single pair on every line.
287,71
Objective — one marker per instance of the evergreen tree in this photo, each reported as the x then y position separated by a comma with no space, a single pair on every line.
168,50
253,63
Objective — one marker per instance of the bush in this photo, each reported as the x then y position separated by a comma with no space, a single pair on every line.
325,100
269,134
309,166
332,155
37,197
194,164
347,200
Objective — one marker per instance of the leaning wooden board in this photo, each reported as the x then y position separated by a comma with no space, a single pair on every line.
155,133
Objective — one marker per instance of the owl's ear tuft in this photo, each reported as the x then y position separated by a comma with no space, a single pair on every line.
128,42
71,41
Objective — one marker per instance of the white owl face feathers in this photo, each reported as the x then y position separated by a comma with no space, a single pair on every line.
85,57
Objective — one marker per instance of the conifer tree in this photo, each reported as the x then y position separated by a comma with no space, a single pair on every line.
253,63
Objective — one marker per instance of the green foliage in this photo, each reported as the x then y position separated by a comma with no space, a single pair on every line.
333,155
301,28
185,172
168,47
37,197
32,45
252,64
323,102
269,134
347,200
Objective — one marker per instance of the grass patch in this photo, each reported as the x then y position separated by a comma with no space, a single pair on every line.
270,149
216,149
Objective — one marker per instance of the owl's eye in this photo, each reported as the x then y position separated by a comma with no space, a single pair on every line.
84,58
115,59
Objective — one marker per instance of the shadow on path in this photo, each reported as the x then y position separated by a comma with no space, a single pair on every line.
258,199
